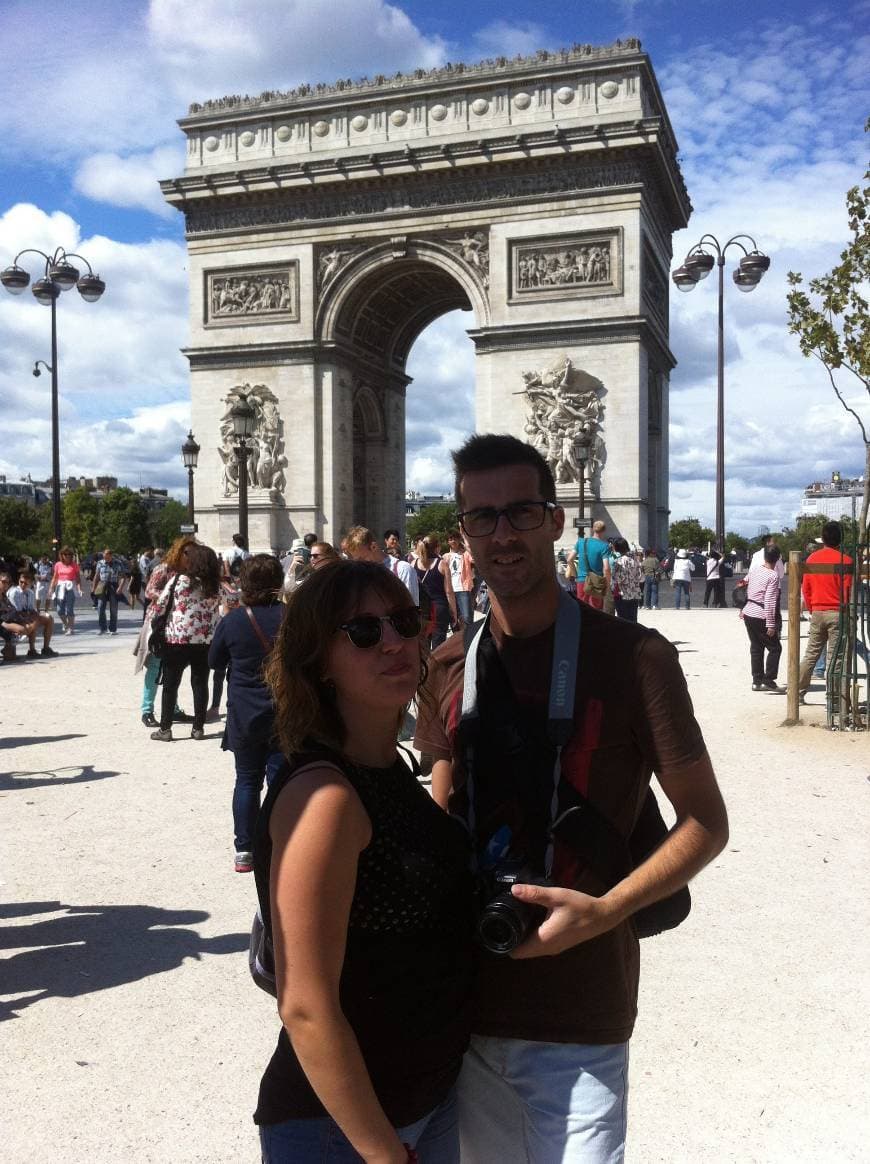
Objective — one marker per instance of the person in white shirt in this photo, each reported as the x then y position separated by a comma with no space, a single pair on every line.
461,574
22,598
682,579
758,556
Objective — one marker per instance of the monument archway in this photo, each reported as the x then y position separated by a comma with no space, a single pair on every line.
328,226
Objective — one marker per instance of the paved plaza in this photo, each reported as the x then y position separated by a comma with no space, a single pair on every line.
131,1032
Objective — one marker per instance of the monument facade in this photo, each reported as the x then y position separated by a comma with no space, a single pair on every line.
329,225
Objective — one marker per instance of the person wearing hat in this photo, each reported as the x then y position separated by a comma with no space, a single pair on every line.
682,579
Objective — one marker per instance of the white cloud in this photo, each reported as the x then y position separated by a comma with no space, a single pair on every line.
509,39
131,180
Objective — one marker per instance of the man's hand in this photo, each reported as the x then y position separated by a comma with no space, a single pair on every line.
573,917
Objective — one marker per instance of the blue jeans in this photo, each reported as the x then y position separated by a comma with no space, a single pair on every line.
320,1141
254,763
110,595
650,591
682,587
464,606
543,1103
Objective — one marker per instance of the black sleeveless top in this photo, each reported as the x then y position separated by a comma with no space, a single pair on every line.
406,980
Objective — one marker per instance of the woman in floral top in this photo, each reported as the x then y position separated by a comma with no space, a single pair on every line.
628,581
191,595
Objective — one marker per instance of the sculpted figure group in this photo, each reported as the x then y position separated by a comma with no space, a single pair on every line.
249,294
564,417
266,462
557,268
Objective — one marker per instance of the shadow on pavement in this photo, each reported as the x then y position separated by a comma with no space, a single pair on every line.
96,947
50,777
27,741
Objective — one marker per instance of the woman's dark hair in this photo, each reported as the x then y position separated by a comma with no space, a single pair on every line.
305,708
497,451
201,566
620,545
174,556
261,579
772,554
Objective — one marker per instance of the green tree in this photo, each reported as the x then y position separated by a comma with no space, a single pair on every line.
165,523
435,519
19,529
689,532
831,322
733,541
81,521
124,521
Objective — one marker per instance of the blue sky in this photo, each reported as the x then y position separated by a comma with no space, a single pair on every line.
768,102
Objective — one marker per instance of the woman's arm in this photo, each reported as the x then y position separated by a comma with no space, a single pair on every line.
319,828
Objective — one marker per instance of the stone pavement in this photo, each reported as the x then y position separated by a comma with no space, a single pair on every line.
130,1030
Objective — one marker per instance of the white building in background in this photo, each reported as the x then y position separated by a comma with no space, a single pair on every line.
834,499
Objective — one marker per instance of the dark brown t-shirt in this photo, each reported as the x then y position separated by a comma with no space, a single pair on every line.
633,716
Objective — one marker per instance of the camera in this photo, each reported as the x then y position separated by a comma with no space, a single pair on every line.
505,922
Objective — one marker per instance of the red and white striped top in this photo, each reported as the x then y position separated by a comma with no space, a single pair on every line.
762,595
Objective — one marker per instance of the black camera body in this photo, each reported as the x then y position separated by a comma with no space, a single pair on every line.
505,922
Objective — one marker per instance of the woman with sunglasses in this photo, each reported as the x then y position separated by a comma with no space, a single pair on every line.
66,583
363,886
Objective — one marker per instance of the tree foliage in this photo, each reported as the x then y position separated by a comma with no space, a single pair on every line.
124,525
19,529
831,321
434,519
81,521
165,523
689,532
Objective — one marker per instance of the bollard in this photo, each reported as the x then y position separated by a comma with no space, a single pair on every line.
793,715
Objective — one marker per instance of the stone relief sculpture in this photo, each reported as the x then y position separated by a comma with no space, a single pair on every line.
245,294
473,248
332,260
545,267
265,461
564,418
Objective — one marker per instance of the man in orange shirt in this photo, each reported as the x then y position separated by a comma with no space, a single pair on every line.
823,596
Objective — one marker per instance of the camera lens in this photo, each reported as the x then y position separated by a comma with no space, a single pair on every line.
502,926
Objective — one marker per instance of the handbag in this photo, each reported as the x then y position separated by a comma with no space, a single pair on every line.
157,635
99,589
740,595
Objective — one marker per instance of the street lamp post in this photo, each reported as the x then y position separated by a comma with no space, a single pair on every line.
59,275
190,454
581,453
697,266
243,418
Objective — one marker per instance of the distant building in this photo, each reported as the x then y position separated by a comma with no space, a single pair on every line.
832,500
30,492
415,502
154,498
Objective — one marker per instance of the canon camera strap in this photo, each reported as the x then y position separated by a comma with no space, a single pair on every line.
560,714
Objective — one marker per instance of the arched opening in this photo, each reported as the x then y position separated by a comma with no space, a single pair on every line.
373,312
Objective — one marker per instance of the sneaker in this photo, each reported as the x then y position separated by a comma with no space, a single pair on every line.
757,687
771,685
149,720
244,863
182,717
32,653
49,652
102,632
113,632
197,734
165,737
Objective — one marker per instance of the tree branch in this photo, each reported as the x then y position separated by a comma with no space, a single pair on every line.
839,396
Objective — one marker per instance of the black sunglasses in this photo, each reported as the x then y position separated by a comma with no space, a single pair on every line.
366,630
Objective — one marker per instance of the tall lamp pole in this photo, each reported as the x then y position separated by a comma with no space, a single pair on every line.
190,454
697,266
581,452
243,418
59,275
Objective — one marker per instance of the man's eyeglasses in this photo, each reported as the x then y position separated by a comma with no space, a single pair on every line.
367,630
522,516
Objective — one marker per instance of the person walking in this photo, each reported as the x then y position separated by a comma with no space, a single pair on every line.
763,621
461,577
241,642
627,581
363,886
682,579
105,584
66,583
824,595
715,587
190,600
433,579
652,573
42,589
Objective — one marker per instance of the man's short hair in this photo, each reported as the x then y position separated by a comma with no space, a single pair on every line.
392,533
358,537
309,540
599,527
498,451
832,534
772,554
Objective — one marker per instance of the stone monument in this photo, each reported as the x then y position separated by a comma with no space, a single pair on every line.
327,226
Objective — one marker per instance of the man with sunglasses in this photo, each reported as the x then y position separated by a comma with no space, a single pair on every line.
545,1079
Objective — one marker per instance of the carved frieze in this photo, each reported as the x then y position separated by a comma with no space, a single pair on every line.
421,193
265,460
251,295
565,266
331,260
564,419
473,248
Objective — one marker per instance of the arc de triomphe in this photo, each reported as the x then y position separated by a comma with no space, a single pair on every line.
328,226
